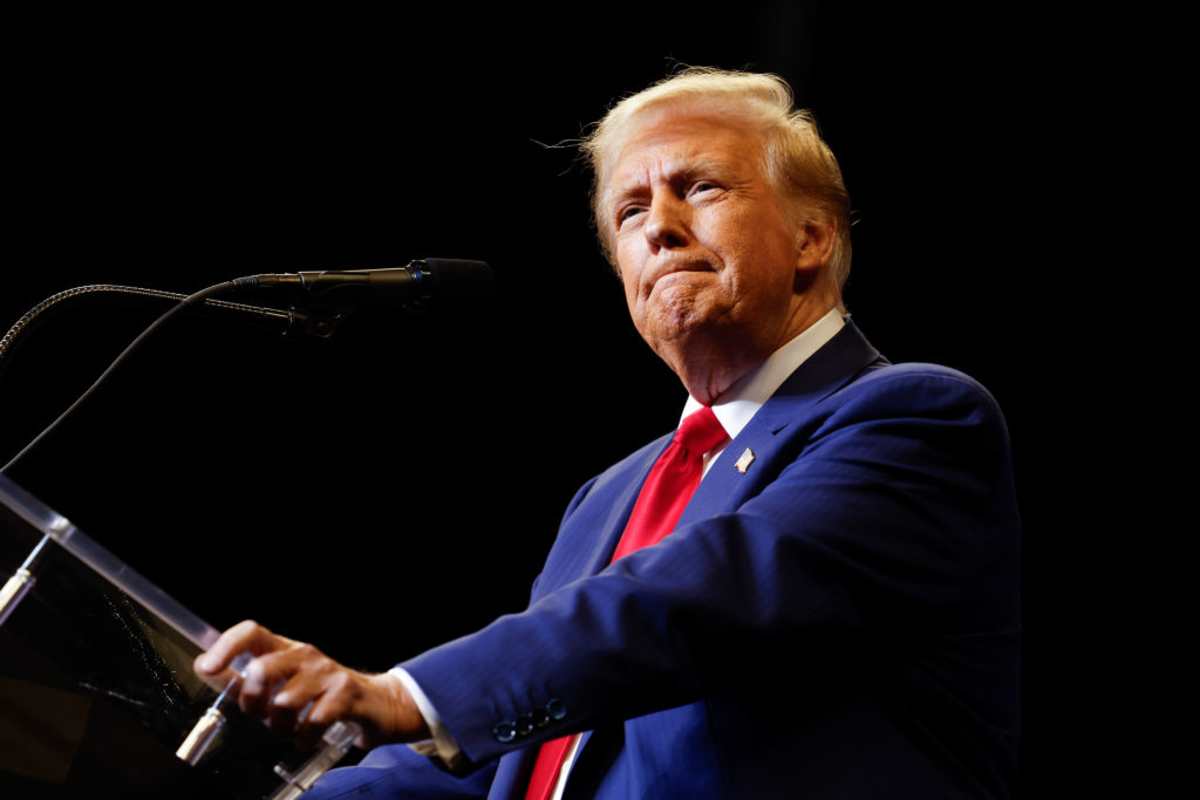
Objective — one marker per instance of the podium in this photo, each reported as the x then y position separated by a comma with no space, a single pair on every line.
98,697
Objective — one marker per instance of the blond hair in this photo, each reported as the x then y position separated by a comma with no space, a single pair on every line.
796,158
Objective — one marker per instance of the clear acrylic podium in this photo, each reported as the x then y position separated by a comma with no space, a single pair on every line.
98,697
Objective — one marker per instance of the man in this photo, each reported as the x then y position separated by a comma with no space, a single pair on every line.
809,590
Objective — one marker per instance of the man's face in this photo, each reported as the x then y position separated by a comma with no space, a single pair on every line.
705,249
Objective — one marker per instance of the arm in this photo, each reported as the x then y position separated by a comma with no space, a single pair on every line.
287,674
895,514
897,504
443,746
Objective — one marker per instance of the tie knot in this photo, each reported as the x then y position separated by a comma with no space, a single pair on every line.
700,432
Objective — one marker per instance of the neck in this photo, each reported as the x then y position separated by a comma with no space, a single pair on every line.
710,364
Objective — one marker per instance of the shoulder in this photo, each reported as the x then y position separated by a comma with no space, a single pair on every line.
915,388
930,404
890,377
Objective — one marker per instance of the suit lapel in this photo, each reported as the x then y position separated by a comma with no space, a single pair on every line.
725,487
622,507
589,537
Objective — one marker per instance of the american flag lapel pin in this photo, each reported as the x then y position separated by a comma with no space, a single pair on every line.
745,460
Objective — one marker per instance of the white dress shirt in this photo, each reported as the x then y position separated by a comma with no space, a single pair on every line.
734,410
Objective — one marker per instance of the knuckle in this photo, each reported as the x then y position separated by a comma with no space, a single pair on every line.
246,626
286,700
256,672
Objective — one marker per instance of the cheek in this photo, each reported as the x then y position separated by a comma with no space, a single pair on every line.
732,232
629,288
758,286
629,264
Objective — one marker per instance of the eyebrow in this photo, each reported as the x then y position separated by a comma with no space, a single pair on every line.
702,167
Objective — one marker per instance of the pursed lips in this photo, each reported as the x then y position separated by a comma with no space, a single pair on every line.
664,270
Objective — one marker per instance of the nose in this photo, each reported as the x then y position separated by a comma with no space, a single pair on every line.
667,223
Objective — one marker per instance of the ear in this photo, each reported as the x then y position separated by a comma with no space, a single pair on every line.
814,245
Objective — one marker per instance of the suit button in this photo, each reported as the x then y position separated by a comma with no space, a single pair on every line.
505,732
540,718
524,725
556,709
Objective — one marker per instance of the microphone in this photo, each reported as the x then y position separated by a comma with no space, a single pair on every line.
418,281
411,285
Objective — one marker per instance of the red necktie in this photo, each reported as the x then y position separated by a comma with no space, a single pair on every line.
668,488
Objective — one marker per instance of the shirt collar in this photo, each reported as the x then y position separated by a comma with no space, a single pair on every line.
743,399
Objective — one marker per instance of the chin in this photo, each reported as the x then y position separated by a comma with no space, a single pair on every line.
678,315
680,329
694,341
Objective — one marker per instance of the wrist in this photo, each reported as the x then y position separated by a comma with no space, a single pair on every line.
403,720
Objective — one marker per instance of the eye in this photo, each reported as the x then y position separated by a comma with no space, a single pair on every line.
703,186
627,212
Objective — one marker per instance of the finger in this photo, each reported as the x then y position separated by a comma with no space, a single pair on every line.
245,636
306,734
298,693
252,694
282,715
341,695
271,670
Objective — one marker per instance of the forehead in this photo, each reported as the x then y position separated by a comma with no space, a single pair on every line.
660,142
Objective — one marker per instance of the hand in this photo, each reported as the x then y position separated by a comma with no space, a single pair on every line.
287,675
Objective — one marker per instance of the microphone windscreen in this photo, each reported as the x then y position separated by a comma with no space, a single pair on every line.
459,277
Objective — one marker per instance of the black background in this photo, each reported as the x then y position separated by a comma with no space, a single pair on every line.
399,485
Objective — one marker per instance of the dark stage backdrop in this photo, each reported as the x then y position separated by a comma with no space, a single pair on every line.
399,485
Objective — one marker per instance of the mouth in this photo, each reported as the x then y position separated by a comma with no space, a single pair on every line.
675,268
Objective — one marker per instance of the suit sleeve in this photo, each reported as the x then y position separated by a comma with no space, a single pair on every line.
894,505
442,746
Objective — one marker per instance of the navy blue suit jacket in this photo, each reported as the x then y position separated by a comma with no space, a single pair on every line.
841,620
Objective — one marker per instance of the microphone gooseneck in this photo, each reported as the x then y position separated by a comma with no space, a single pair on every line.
30,317
410,285
191,299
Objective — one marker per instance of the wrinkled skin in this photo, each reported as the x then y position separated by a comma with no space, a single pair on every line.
717,275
